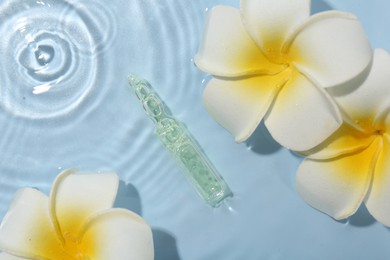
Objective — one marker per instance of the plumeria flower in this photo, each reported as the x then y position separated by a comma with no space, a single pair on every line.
76,222
353,165
271,60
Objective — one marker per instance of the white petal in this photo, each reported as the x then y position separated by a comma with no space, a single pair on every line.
27,230
331,48
338,186
239,105
302,115
118,234
4,256
378,198
365,102
75,197
227,49
269,22
345,140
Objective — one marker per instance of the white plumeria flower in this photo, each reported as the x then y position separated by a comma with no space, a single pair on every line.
271,60
77,221
353,165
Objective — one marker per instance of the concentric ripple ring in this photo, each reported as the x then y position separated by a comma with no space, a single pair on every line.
50,54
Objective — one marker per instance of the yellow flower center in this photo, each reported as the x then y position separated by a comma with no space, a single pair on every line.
379,132
285,58
276,56
367,157
277,52
67,246
73,247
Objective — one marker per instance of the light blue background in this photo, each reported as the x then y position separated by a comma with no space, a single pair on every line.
266,219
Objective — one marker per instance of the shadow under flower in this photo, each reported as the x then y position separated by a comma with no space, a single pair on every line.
164,243
361,218
320,6
128,198
261,141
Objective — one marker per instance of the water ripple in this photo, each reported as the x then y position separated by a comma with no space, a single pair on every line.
173,35
50,55
65,63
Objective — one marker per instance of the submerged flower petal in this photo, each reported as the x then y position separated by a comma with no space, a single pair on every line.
75,197
118,234
27,230
337,186
377,200
302,115
330,48
269,22
239,105
227,50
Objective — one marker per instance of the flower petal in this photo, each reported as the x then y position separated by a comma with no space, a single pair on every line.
377,200
239,105
227,50
118,234
27,230
75,197
337,187
270,22
302,115
345,140
4,256
330,48
365,103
